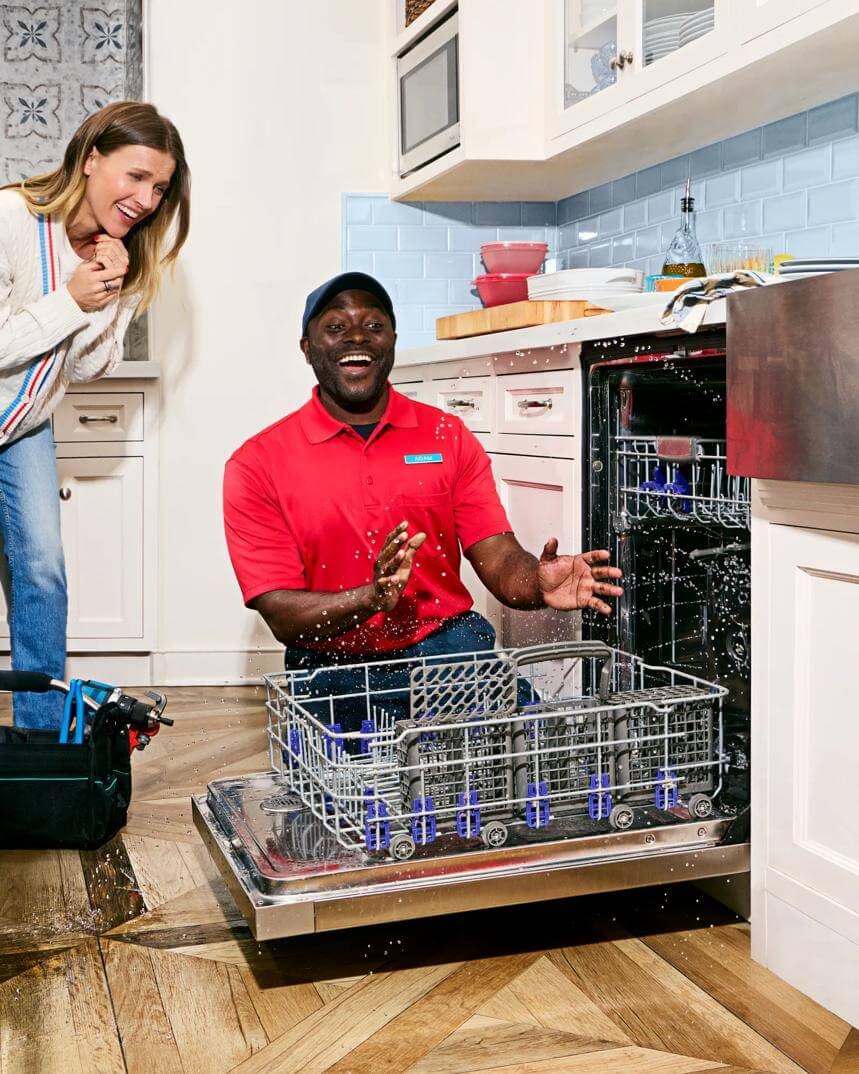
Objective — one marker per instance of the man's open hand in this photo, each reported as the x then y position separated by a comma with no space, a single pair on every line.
570,582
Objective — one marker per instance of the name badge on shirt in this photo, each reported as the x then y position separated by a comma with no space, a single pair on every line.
414,460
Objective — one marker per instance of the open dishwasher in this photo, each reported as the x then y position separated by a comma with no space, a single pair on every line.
472,780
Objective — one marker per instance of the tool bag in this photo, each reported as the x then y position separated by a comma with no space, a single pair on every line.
71,789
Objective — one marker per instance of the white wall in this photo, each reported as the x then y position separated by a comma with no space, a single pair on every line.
282,106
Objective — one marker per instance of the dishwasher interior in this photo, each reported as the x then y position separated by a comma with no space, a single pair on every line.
658,495
620,760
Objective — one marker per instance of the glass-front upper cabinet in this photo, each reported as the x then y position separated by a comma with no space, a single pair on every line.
591,50
617,50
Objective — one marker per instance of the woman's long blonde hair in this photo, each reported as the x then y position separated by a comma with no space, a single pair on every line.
61,191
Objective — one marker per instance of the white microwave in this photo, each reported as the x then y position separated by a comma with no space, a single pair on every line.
428,84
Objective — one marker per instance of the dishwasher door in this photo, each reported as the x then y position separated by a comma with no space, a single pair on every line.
289,875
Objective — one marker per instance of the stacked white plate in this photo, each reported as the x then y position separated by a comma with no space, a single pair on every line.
592,285
696,25
662,36
813,266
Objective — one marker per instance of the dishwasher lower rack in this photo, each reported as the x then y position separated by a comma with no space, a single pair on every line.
398,755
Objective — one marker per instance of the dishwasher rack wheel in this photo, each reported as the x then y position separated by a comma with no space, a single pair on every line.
402,846
700,806
621,818
494,833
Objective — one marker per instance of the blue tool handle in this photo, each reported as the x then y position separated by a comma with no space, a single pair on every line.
66,722
80,711
74,704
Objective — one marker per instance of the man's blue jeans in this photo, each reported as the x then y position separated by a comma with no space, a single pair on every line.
35,585
389,685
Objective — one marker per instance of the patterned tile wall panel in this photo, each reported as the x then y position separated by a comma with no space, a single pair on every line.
428,253
61,62
793,184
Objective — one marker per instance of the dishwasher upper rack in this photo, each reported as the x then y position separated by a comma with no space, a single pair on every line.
494,740
677,478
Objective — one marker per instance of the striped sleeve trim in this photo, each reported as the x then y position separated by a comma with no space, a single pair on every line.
38,373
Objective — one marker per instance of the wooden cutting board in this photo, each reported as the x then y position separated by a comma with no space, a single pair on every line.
512,315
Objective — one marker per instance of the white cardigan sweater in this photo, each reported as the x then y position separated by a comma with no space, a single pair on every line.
46,341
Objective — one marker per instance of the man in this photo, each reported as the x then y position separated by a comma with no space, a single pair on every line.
346,519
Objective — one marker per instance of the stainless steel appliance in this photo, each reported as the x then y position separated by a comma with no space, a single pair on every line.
793,380
428,96
308,847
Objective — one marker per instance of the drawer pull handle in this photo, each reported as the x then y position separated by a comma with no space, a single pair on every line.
458,404
65,494
534,404
111,419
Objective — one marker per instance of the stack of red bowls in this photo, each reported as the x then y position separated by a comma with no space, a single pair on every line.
510,264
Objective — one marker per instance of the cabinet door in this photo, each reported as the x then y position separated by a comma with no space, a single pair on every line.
542,499
676,37
615,51
805,845
102,520
585,41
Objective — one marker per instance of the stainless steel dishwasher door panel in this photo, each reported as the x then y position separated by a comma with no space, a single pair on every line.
289,876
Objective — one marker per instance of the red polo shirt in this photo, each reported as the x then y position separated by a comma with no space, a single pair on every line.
308,504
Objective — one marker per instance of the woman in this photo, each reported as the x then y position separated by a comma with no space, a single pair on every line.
81,249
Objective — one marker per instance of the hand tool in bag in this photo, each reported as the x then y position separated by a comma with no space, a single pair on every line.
144,719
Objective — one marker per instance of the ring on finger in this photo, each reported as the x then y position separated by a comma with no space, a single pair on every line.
108,286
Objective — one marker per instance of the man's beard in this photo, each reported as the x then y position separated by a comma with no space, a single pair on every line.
362,399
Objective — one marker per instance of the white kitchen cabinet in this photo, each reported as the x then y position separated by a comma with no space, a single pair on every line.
101,514
616,39
531,127
107,466
542,498
805,741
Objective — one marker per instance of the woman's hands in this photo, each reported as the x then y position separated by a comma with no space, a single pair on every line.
98,281
393,568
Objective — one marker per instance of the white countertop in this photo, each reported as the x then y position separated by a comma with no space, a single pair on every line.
634,322
136,371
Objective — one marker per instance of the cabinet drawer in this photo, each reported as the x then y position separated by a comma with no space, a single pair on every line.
538,402
99,416
413,390
470,398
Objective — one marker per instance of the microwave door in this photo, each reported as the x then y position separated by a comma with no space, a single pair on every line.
428,79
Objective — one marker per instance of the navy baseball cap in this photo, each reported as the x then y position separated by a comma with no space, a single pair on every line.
346,281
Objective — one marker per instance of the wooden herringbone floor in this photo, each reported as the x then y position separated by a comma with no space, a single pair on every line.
134,958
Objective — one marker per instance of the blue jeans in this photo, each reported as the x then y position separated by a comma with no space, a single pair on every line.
35,585
389,686
345,690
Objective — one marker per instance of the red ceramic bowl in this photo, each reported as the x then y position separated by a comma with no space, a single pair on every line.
499,288
513,256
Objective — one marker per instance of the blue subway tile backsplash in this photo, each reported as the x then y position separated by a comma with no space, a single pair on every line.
845,158
792,186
